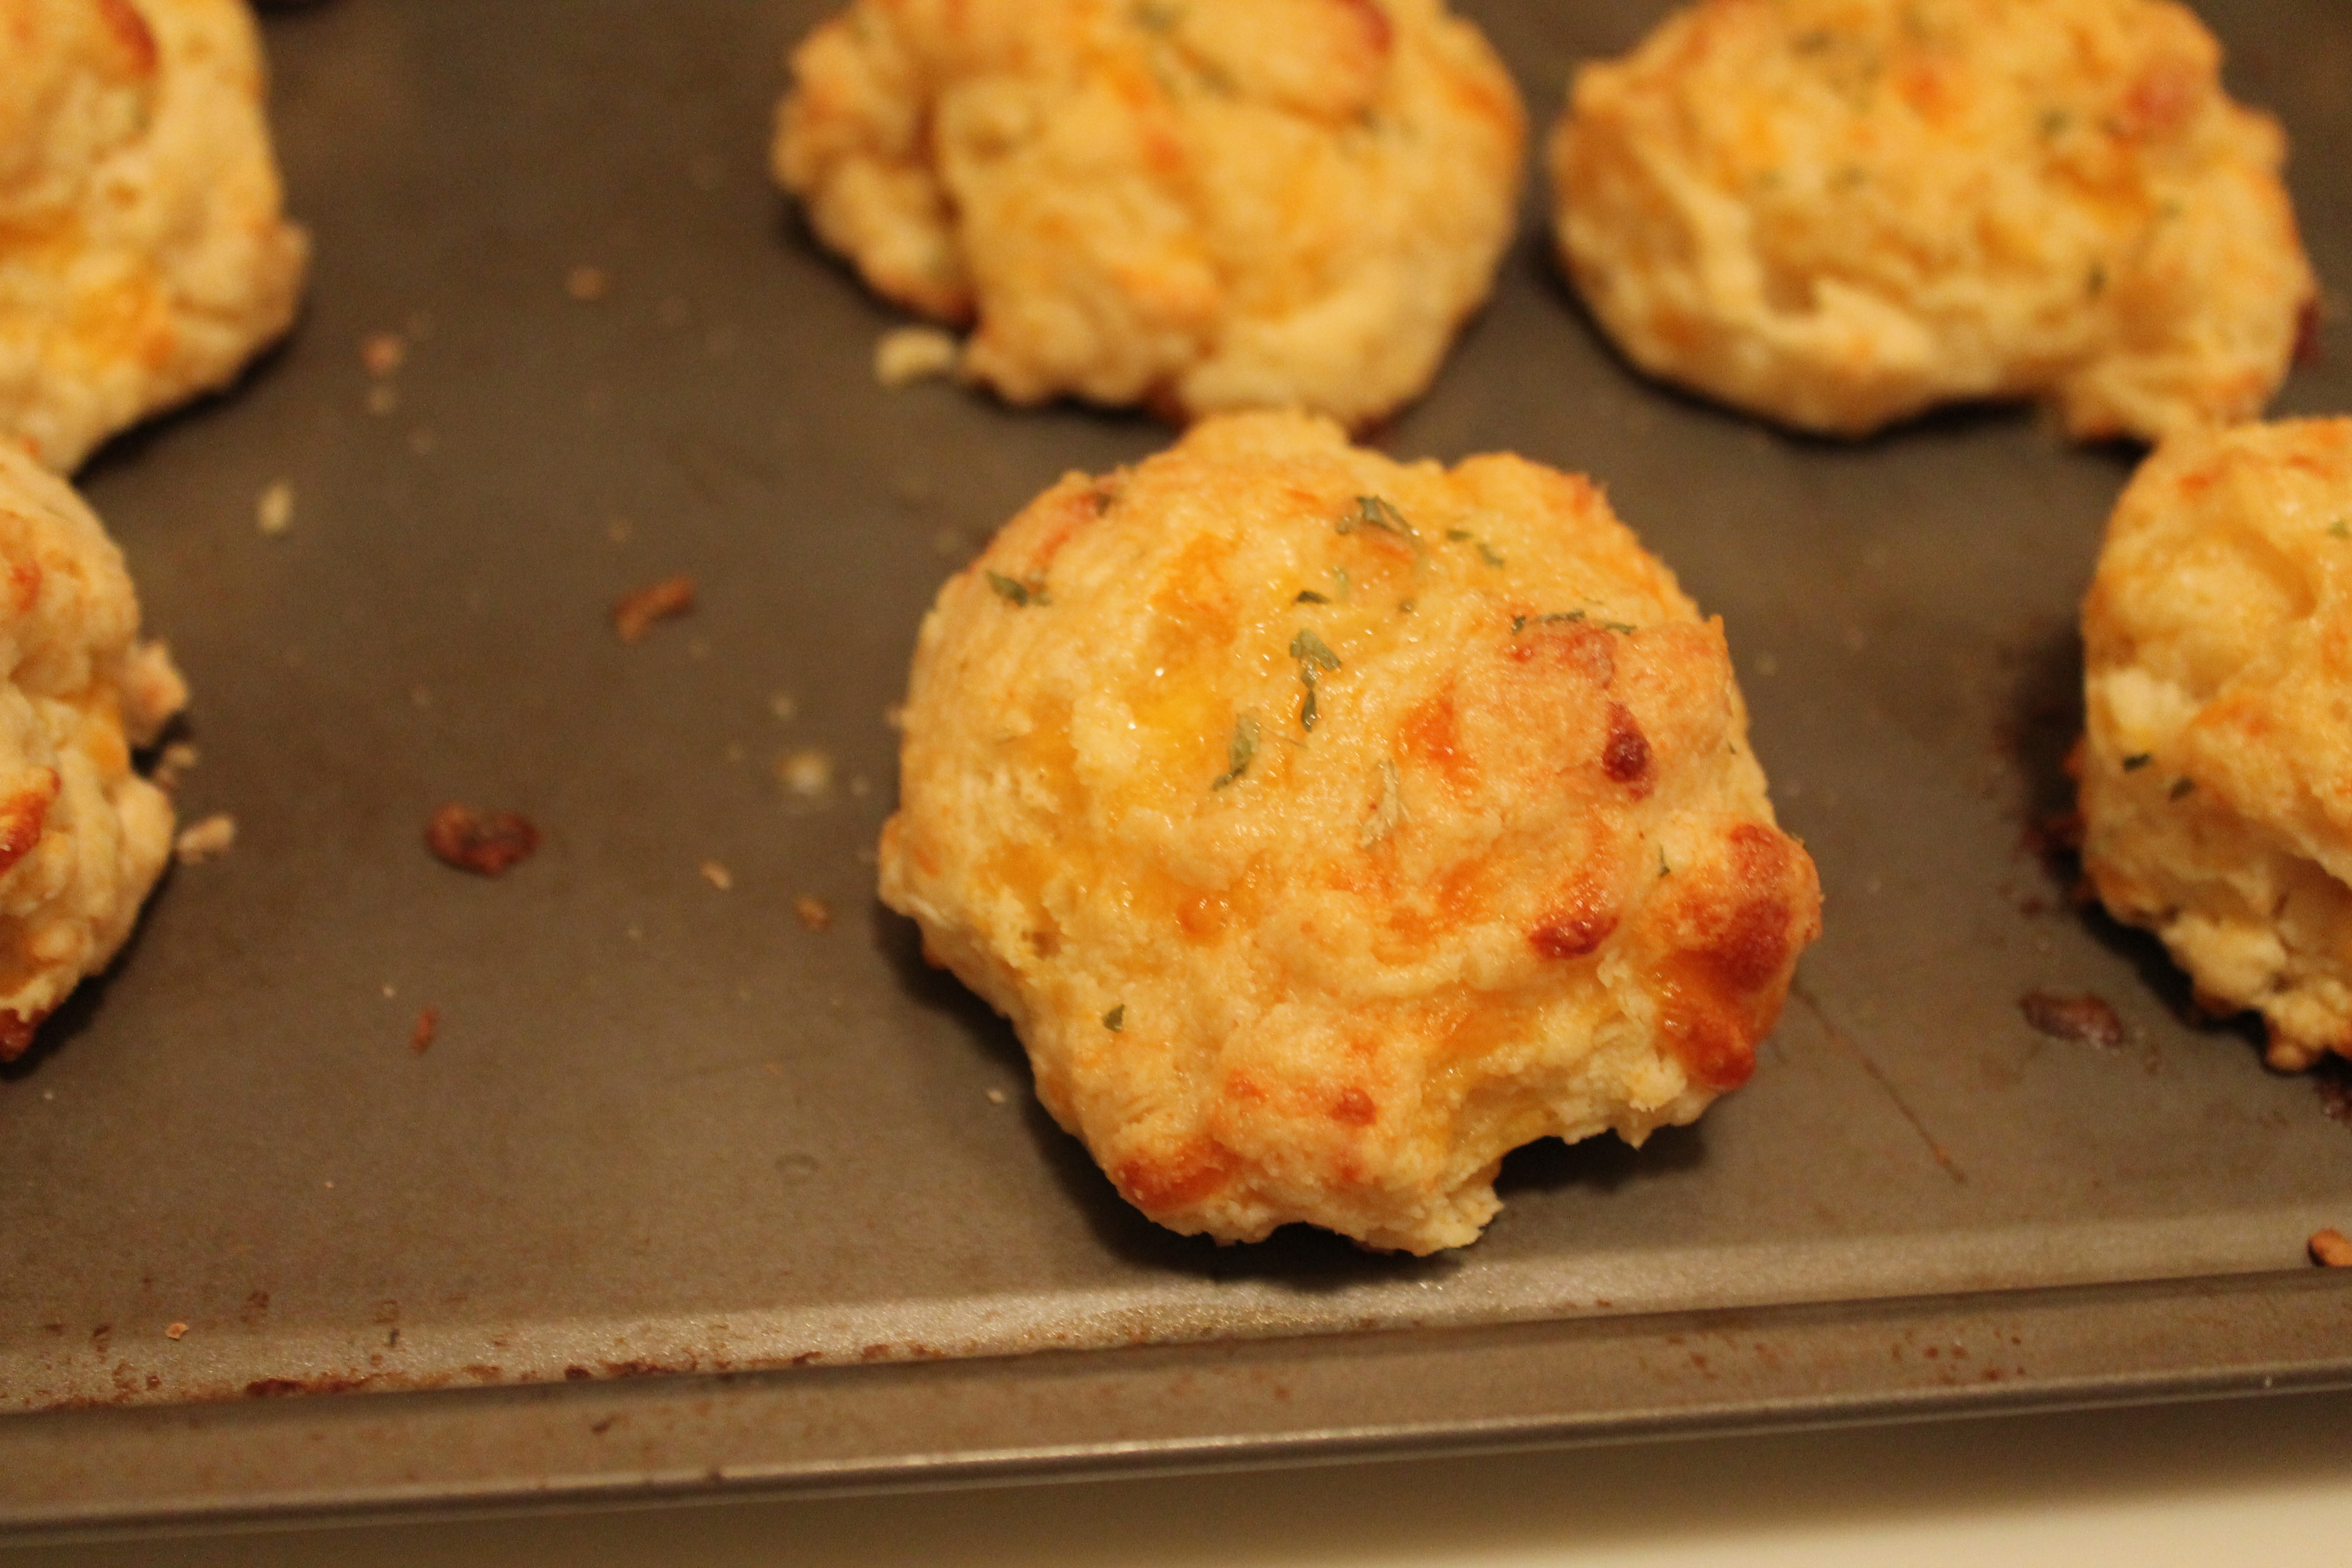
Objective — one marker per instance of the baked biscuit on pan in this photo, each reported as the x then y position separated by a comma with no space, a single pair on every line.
82,837
2216,771
1837,213
1328,827
1195,204
143,254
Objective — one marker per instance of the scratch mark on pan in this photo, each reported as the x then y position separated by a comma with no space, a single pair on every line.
1943,1156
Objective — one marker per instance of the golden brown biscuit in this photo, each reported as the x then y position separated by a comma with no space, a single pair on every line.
2217,768
1837,213
1198,204
82,837
143,257
1328,827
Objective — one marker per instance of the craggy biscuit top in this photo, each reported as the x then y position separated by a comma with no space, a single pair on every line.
2217,769
82,837
1839,212
143,256
1199,204
1328,827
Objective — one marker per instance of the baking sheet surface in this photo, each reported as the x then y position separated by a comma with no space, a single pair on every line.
664,1125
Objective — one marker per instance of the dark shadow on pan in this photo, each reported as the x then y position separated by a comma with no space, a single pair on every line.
83,1003
2042,722
128,446
1602,1163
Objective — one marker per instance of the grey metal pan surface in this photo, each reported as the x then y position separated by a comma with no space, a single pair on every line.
796,1180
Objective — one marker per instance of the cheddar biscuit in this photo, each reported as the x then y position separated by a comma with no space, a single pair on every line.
1328,827
143,257
2217,764
82,837
1839,213
1195,204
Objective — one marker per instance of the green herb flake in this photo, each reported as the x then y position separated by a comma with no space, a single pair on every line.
1115,1019
1017,593
1404,606
1379,511
2054,122
1490,555
2136,762
1347,589
2096,283
2181,788
1457,535
1621,628
1664,871
1558,616
1519,625
1310,649
1239,750
2341,528
1309,596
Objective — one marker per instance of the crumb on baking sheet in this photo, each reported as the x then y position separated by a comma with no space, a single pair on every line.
176,1330
204,840
997,1097
587,284
428,1025
382,352
718,875
487,843
382,398
2330,1249
808,773
904,355
273,514
2085,1019
174,764
784,706
634,613
814,912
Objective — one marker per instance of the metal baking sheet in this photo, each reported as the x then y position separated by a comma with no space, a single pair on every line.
796,1181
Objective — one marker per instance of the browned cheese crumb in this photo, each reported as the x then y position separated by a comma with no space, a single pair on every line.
814,912
2086,1019
716,873
487,843
428,1025
2330,1249
587,284
176,1330
634,613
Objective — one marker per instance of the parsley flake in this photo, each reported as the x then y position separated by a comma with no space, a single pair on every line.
1379,511
1309,596
2136,761
2340,529
1115,1019
1239,750
1457,535
1490,555
1019,593
2181,788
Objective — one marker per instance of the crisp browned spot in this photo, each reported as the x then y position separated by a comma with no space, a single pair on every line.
634,613
23,813
428,1025
130,35
1202,915
1432,733
2330,1249
24,582
487,843
1713,1048
1626,755
1754,945
1572,935
1157,1184
1354,1108
15,1033
2162,97
1374,20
